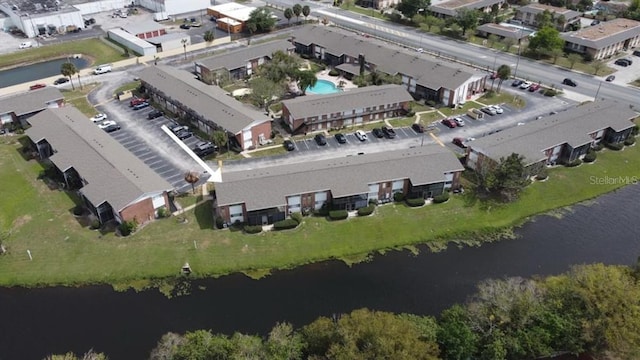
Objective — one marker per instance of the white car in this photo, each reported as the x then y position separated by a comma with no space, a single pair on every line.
361,135
26,45
99,117
525,85
498,109
106,123
459,121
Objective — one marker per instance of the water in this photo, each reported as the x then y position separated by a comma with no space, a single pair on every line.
37,71
323,87
128,325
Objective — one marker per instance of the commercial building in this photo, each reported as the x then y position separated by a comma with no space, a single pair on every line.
207,107
231,16
19,107
424,78
239,64
43,17
450,8
113,183
354,107
132,42
263,196
605,39
527,14
174,8
145,29
557,139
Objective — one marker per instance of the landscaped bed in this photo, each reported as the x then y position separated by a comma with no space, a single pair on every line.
65,251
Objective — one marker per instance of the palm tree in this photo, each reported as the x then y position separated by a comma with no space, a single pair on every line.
209,36
306,79
68,69
306,10
288,13
504,73
191,178
297,10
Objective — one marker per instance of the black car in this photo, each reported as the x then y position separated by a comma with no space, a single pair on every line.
61,80
112,128
205,148
320,140
185,26
289,145
516,83
154,114
622,62
569,82
184,134
418,128
610,78
142,105
389,132
341,139
377,132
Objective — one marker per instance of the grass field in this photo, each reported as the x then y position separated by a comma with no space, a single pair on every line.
94,49
78,98
66,252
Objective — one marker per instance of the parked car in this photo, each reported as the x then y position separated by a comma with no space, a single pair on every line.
493,76
154,114
25,45
629,61
184,134
450,123
636,53
569,82
178,128
141,105
204,148
459,142
289,145
489,110
595,22
99,117
459,122
102,69
418,128
534,87
361,135
497,108
111,128
106,123
516,83
525,85
135,101
377,132
61,80
37,86
610,78
185,26
389,132
195,24
340,138
320,140
621,62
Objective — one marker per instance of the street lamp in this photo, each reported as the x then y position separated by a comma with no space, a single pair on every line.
184,46
515,73
595,98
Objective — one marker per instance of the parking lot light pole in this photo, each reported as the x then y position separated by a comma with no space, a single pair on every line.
595,98
184,45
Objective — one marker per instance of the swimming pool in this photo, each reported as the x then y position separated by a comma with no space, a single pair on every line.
323,87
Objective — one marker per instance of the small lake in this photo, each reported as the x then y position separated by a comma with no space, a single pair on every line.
22,74
37,322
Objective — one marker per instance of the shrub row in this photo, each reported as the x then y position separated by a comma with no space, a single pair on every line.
590,157
397,197
415,202
441,198
368,210
285,224
630,141
614,146
598,147
550,92
297,217
253,229
574,163
338,214
127,227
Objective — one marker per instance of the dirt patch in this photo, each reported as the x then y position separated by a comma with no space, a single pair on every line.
17,223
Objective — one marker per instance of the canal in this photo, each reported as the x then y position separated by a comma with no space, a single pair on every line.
37,322
22,74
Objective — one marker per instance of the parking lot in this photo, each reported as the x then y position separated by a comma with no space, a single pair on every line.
307,145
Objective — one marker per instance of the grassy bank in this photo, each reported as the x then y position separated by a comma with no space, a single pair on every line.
66,252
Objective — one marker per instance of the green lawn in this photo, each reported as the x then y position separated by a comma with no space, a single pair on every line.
66,252
269,151
78,98
402,122
94,49
428,118
516,101
447,111
128,86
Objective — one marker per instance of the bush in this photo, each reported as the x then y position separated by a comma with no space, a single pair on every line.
333,72
634,131
163,212
253,229
542,174
441,198
574,163
590,157
367,210
630,141
550,92
78,210
95,224
285,224
297,217
415,202
614,146
598,147
219,222
338,214
127,227
398,197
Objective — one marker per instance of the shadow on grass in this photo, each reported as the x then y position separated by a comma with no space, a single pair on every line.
204,215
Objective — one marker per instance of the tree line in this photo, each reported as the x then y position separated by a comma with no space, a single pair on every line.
592,309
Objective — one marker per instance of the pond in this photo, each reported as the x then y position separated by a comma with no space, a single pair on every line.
19,75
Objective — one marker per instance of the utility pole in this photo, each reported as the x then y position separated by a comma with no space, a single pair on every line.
597,92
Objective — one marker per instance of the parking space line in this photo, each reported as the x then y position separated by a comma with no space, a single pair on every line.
436,139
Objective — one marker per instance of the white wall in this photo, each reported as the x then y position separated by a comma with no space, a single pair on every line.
6,23
30,25
175,7
101,5
175,43
136,44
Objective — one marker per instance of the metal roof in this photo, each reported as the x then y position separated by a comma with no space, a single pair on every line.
239,58
361,98
604,34
572,126
234,10
112,173
268,187
142,27
451,7
30,101
209,101
428,73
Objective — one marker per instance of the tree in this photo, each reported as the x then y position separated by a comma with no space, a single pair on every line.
283,343
261,20
544,19
455,29
89,355
508,43
167,347
288,14
467,19
281,67
306,10
430,21
68,69
503,73
306,78
409,8
209,36
545,40
456,338
573,58
492,40
597,65
219,138
506,179
555,54
192,178
247,347
264,91
297,10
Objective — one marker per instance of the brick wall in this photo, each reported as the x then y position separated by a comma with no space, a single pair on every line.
141,211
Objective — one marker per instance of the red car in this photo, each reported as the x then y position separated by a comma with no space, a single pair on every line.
37,86
493,76
459,142
136,101
534,87
450,123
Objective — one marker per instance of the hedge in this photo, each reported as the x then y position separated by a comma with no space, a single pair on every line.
127,227
550,92
590,157
285,224
297,217
219,222
252,229
397,197
338,214
415,202
614,146
574,163
630,141
441,198
598,147
323,211
333,72
368,210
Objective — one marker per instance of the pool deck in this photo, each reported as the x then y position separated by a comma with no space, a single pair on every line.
324,75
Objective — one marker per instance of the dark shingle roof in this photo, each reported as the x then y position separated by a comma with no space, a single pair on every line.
29,102
370,96
537,8
604,34
239,58
269,187
112,173
210,102
571,126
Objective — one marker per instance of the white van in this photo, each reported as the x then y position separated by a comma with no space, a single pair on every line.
102,69
25,45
